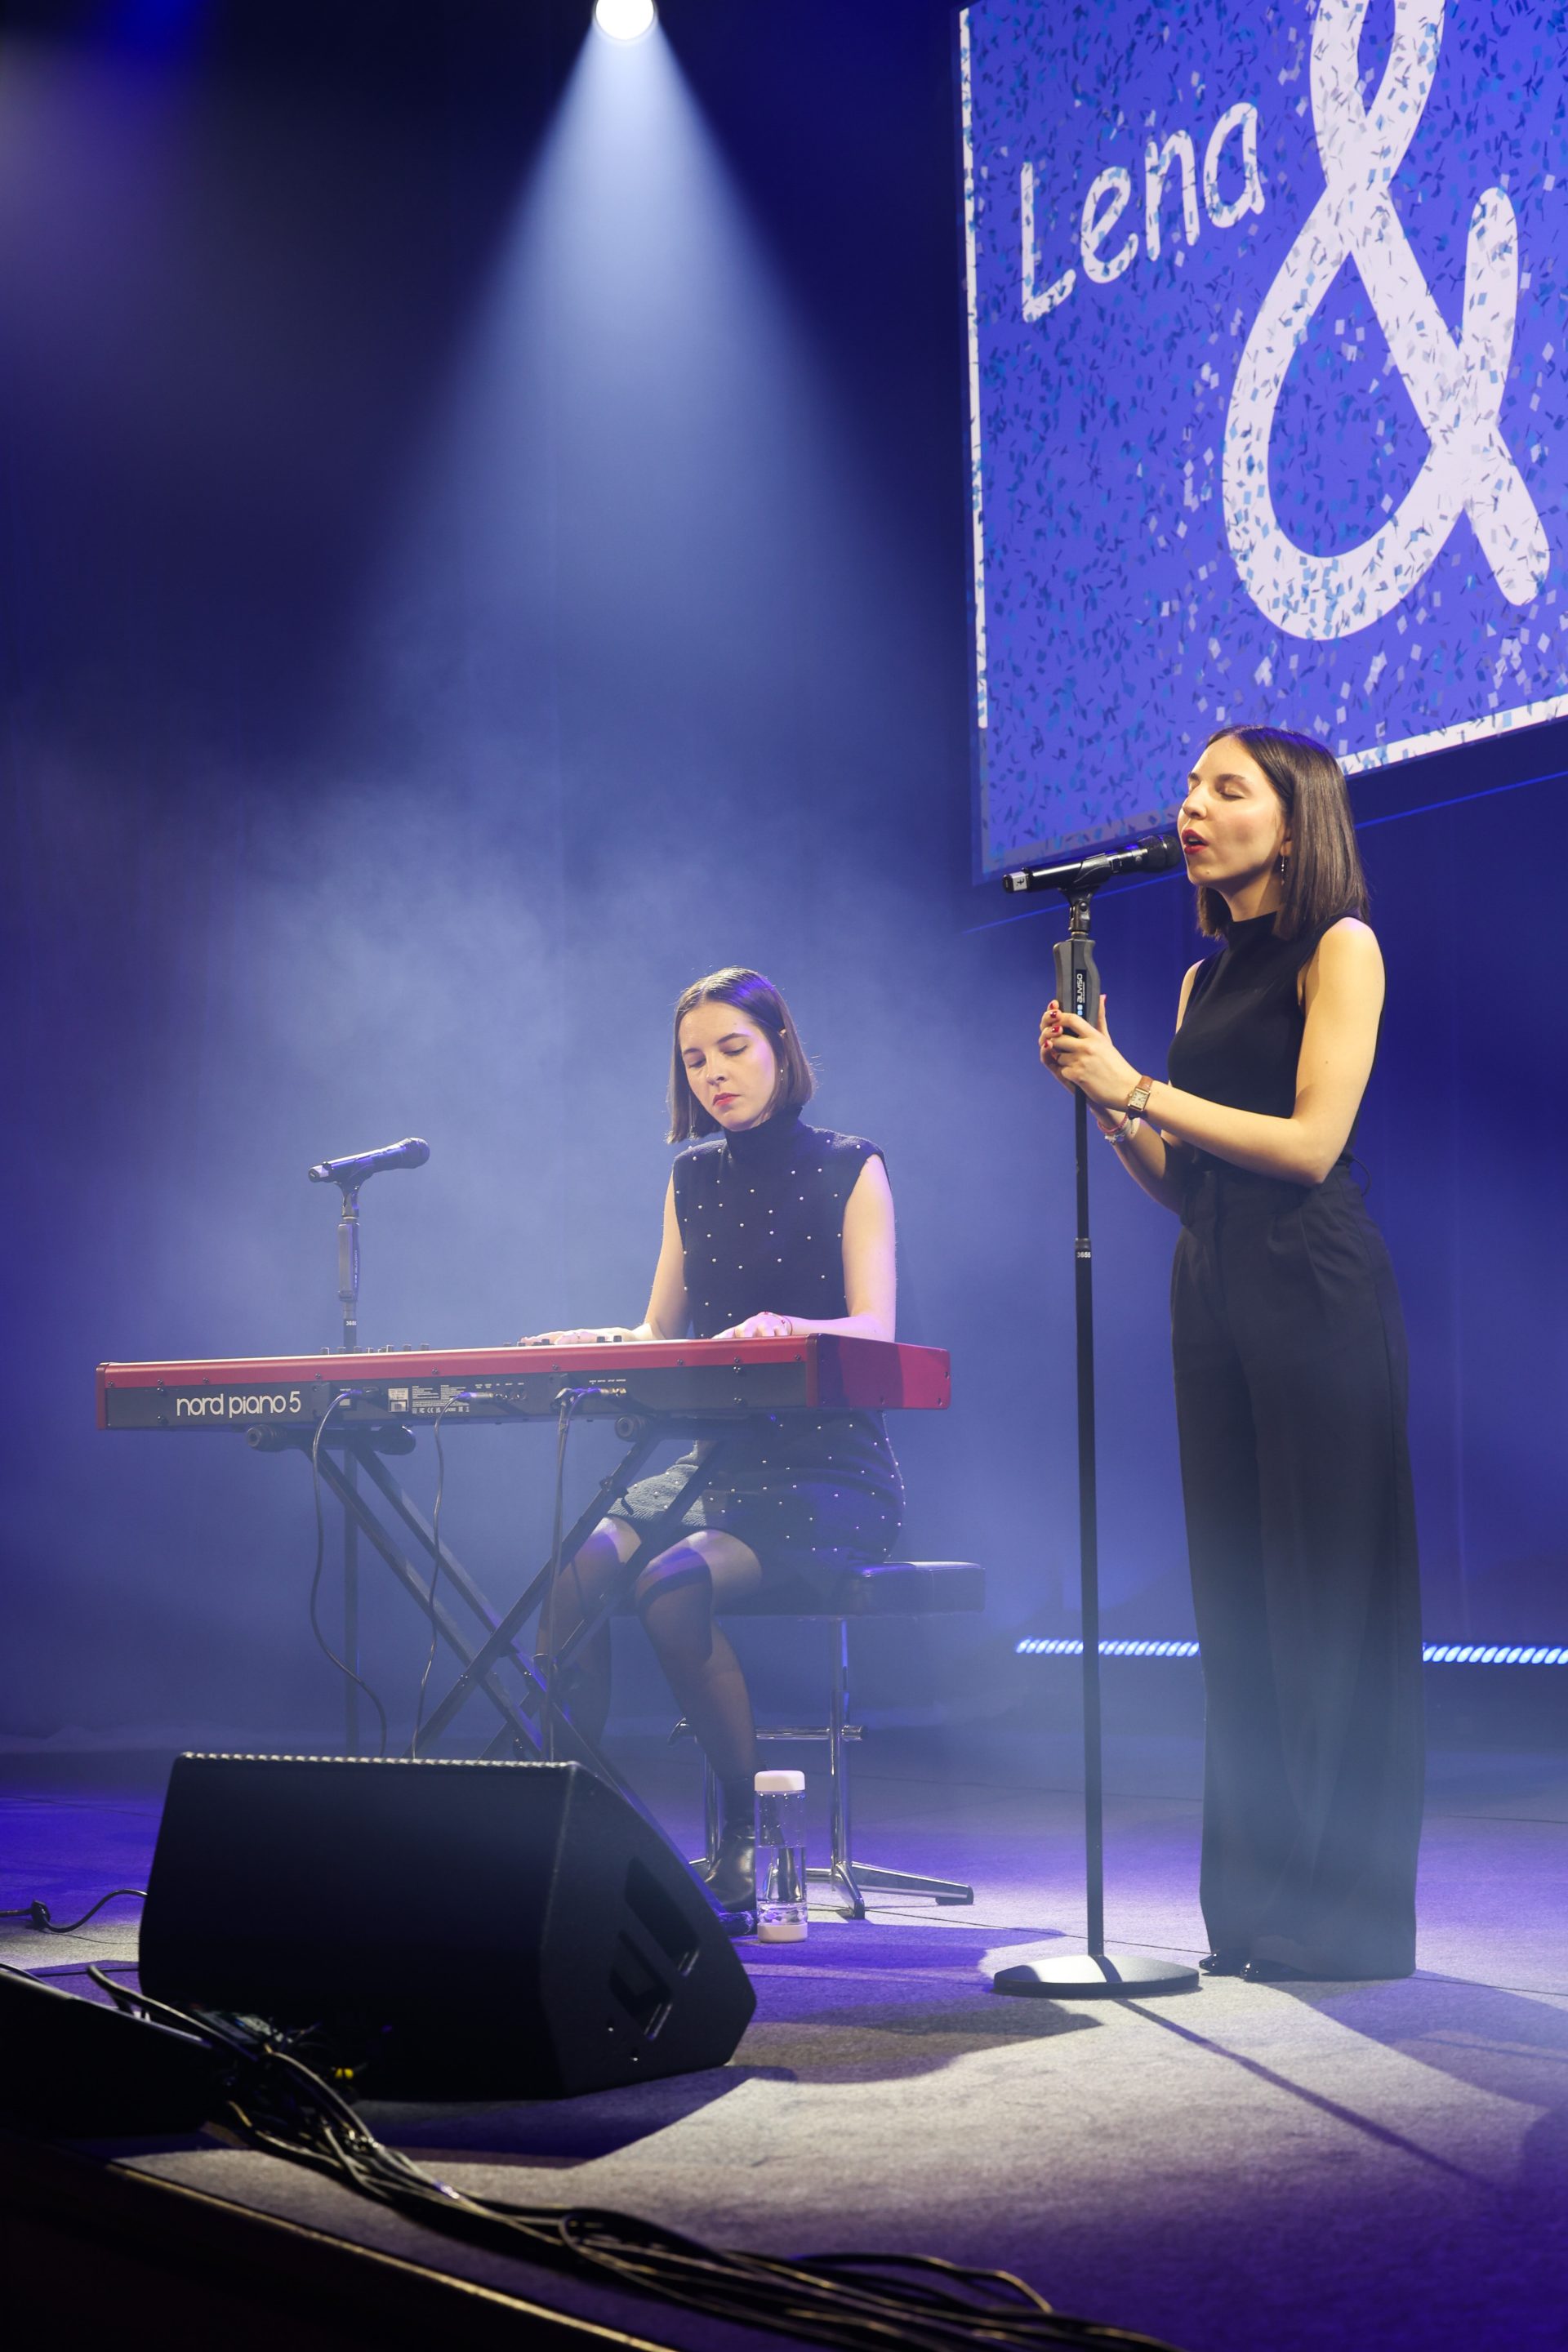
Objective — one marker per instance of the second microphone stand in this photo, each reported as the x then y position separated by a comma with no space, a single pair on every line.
1068,1972
348,1299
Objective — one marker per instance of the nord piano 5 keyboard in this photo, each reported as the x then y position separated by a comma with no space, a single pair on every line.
701,1379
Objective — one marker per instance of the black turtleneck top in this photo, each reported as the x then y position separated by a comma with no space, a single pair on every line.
762,1219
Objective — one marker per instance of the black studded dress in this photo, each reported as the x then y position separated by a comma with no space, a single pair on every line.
762,1220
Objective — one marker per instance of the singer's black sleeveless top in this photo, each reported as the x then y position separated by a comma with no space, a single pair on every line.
761,1222
1240,1038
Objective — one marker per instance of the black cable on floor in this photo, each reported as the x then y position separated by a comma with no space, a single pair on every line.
38,1913
860,2302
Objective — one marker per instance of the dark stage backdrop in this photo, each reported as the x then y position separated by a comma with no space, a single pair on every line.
482,539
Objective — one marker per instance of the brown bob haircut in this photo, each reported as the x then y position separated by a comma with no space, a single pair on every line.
760,1000
1324,879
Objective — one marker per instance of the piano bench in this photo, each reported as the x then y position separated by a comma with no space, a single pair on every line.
894,1588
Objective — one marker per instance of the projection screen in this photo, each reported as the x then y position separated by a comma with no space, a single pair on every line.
1267,388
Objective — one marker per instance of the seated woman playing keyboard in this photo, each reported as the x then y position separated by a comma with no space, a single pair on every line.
772,1229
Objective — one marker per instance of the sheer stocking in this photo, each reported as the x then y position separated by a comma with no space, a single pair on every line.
675,1596
674,1599
597,1569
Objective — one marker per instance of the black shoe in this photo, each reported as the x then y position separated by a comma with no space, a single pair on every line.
1272,1972
1223,1964
731,1877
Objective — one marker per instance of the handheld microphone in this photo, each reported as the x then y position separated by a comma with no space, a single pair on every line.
1153,852
412,1152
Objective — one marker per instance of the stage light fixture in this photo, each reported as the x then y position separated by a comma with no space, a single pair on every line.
625,20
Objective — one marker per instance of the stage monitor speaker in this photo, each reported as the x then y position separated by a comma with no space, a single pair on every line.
451,1930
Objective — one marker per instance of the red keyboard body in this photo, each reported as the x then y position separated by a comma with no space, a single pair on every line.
699,1380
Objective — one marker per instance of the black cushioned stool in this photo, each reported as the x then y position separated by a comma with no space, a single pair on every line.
899,1588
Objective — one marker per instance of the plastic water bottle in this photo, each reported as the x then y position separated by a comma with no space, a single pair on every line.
780,1857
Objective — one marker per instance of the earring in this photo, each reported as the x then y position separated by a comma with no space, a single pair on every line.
1282,866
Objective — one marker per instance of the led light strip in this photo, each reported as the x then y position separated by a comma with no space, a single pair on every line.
1433,1654
1032,1648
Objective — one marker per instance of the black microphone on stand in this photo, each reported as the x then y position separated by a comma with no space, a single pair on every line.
350,1173
1078,981
1152,853
412,1152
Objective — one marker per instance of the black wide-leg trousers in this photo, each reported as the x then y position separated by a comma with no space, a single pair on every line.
1290,1398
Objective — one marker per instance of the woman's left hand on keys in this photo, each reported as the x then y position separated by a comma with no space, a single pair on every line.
761,1327
1086,1058
589,1335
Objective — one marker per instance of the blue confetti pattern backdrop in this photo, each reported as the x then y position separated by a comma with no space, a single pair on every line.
1266,314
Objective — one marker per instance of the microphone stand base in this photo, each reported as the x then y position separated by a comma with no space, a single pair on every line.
1069,1973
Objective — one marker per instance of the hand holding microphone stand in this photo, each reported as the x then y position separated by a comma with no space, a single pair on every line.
1065,1971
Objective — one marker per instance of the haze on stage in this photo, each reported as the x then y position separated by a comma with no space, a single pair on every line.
1267,390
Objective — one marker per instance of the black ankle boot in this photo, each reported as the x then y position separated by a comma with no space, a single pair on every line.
732,1876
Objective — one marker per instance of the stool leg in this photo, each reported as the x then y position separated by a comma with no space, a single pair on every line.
848,1878
852,1878
841,1870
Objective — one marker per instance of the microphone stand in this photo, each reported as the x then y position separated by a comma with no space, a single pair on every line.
348,1174
348,1268
1065,1971
348,1299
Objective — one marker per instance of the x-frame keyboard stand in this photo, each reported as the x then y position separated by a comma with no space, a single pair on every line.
529,1724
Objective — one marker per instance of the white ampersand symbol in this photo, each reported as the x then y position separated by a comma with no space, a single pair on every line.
1457,388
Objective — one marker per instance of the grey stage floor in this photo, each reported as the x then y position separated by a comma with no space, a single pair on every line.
1380,2164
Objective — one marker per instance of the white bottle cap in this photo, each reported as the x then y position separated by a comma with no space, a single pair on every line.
780,1784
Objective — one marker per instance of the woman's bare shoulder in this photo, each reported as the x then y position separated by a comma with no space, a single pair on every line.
1349,945
1346,963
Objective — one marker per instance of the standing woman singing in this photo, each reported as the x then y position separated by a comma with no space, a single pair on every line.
772,1229
1290,1373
